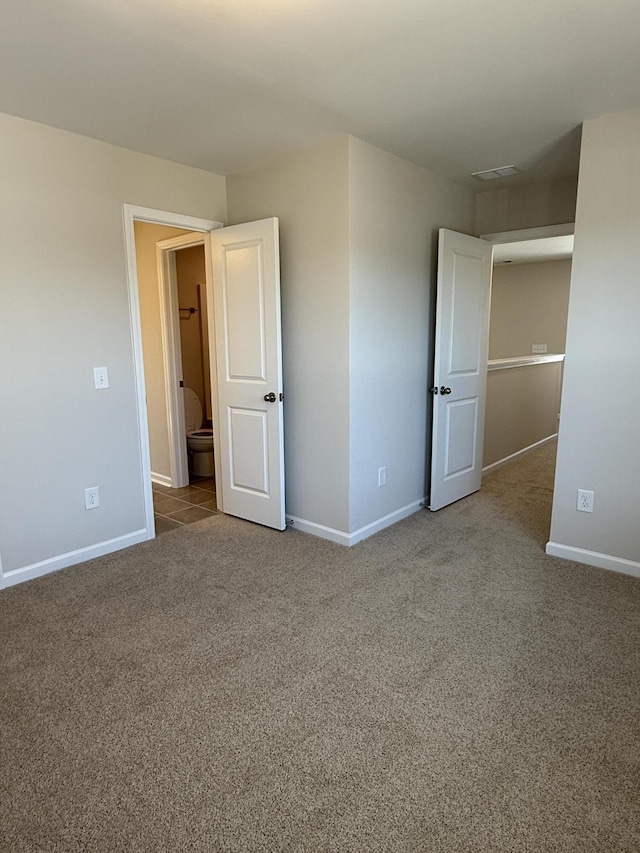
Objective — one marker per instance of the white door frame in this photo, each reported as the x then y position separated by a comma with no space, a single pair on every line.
523,234
130,214
172,349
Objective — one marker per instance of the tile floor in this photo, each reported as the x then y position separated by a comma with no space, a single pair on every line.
177,507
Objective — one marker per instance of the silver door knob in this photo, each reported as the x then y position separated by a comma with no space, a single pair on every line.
444,390
270,397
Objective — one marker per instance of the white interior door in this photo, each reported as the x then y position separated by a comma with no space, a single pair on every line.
248,369
460,368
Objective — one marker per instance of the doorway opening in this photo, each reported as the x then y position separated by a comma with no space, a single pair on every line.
185,491
527,340
463,356
182,280
191,286
527,343
242,275
160,408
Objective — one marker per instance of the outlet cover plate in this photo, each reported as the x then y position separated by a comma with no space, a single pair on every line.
585,500
92,498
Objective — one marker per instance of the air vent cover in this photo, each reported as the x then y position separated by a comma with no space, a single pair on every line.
492,174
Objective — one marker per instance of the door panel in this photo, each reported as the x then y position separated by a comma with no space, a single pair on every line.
243,286
460,366
466,307
249,450
246,316
461,429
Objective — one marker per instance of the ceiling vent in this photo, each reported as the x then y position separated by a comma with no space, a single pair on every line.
492,174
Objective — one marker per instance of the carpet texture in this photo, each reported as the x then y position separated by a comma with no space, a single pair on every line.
442,686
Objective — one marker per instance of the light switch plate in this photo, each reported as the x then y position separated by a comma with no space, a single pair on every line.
101,377
538,348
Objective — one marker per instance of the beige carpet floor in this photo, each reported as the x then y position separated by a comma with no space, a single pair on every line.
443,686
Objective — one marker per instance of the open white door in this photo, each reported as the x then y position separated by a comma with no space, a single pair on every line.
460,369
248,370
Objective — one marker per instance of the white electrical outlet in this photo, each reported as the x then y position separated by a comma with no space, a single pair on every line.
91,498
585,501
100,377
382,476
539,348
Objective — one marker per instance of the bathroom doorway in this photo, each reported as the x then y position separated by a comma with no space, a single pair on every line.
196,367
184,283
182,280
242,261
171,272
166,507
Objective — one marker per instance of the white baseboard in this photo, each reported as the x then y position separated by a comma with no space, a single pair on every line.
320,530
36,570
161,479
594,558
515,455
349,539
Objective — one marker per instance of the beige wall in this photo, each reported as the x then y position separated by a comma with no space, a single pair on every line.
147,234
598,442
549,202
190,272
69,276
522,409
357,232
529,305
64,267
309,193
396,209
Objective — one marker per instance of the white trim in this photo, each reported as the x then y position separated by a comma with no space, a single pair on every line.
386,521
540,233
319,530
522,361
161,479
349,539
177,220
213,365
172,367
138,363
515,455
80,555
594,558
173,220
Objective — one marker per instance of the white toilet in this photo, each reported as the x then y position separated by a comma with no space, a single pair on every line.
199,440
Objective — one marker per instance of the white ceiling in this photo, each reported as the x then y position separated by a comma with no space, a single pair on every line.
453,85
533,251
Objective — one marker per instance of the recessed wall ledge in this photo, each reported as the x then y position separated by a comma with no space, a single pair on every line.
523,361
